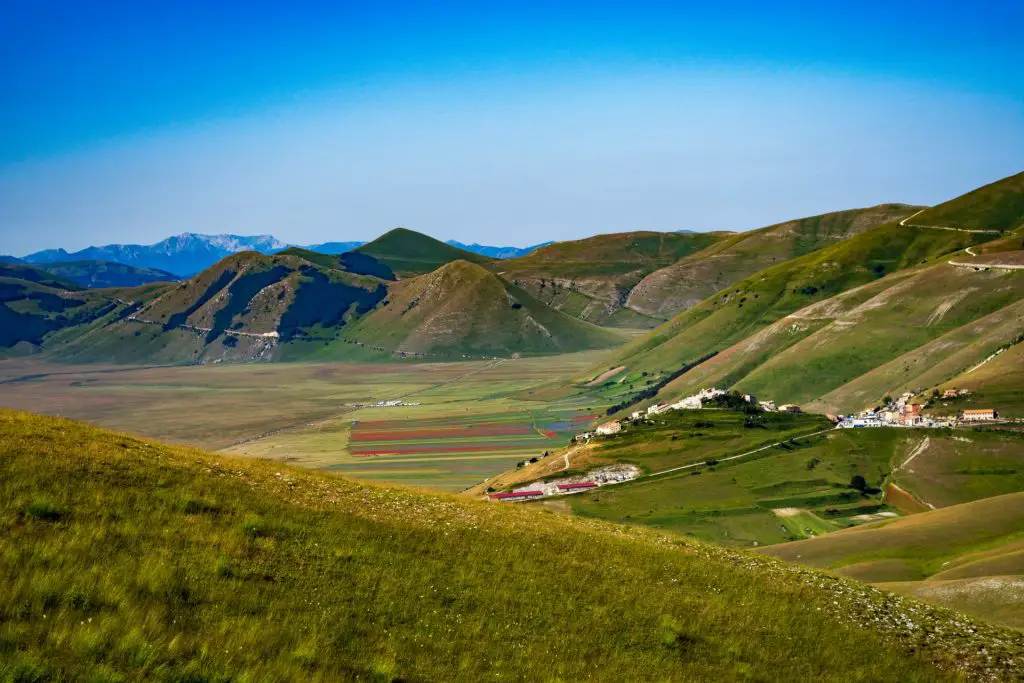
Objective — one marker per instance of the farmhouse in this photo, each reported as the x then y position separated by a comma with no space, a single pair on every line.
657,409
789,408
613,427
982,415
516,495
949,393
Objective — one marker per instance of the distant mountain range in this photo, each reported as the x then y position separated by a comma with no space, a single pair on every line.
183,255
737,295
189,253
497,252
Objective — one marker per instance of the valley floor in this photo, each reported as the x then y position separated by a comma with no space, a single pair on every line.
473,418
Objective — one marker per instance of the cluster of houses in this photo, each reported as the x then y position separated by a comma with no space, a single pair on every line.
695,402
904,413
612,474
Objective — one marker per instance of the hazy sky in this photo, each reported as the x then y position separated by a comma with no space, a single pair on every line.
508,123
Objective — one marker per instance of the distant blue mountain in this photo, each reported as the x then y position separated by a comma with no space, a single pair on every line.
10,259
334,247
497,252
183,255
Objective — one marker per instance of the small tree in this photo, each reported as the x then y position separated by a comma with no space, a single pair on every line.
858,482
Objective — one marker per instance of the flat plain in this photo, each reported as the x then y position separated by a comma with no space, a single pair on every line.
474,418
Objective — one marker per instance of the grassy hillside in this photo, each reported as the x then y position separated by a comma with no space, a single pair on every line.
966,556
243,308
39,276
411,253
463,308
31,313
750,306
128,560
695,277
996,206
95,274
921,321
592,278
996,382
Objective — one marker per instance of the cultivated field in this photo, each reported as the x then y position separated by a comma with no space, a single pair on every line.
475,418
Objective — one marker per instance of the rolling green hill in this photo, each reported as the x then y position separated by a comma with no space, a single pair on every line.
592,278
969,556
915,328
463,308
695,277
750,306
123,559
411,253
299,305
95,274
996,206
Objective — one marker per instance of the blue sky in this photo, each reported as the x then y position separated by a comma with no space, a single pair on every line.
495,122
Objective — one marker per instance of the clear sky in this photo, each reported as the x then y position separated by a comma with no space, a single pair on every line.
494,122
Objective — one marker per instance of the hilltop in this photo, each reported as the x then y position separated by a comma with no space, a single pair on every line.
412,253
214,566
997,206
696,277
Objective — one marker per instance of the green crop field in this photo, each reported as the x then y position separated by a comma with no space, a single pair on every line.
747,501
964,466
124,560
797,488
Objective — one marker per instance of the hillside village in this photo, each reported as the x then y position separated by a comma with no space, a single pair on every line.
902,412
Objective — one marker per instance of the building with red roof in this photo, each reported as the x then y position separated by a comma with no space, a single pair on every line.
582,486
515,495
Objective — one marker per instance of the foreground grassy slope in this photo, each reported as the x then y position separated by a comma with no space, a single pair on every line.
694,278
996,206
942,555
462,308
128,560
411,253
